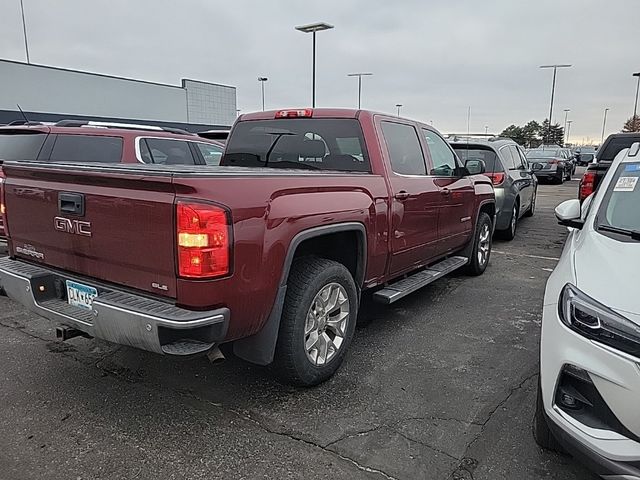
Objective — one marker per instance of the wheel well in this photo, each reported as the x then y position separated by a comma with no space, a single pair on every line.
489,209
343,247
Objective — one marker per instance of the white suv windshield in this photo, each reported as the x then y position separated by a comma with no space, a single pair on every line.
620,205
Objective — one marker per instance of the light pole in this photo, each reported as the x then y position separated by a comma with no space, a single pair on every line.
262,80
313,28
486,129
569,122
553,91
566,114
635,105
359,75
398,106
604,124
24,30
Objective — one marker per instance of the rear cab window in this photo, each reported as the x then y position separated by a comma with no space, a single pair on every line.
305,143
86,149
20,144
613,146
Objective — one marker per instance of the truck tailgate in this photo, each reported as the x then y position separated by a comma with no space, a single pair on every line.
105,225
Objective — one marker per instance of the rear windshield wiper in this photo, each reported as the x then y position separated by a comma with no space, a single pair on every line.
634,234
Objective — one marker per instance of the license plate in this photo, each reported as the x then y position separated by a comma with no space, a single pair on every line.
80,295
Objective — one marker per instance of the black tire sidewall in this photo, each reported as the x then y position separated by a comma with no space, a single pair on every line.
474,267
297,367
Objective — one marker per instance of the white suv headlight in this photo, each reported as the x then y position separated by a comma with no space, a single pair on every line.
598,322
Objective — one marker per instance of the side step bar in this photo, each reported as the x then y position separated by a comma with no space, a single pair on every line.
404,287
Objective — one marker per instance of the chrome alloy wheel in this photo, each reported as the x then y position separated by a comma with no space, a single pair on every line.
326,324
484,245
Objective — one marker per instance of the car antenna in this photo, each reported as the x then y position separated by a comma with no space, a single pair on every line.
22,112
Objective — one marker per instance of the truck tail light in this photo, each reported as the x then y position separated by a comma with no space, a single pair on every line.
587,184
3,210
496,178
204,240
554,162
300,113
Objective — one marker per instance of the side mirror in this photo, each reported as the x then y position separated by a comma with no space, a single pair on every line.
475,167
569,212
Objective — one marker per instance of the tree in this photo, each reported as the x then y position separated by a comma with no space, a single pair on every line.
553,135
632,124
515,133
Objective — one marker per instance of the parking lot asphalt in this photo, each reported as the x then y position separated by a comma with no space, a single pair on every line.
439,385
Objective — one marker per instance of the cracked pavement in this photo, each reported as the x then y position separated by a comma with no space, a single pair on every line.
440,385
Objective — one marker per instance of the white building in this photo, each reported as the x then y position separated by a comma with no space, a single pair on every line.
51,94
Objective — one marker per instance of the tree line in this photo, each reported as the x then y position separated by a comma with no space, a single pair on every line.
534,134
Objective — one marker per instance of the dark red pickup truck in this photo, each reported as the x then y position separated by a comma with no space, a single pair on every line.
272,250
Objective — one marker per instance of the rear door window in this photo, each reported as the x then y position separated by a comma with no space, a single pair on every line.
18,146
211,153
86,149
304,143
404,149
167,151
507,157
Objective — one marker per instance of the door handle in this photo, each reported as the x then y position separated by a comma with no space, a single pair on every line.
401,195
445,191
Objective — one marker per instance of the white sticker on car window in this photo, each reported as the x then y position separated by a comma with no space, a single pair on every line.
626,184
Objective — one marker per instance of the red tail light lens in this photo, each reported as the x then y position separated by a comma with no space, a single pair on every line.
302,113
554,162
3,210
587,184
496,178
204,240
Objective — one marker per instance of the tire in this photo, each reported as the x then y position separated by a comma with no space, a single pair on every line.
304,308
541,432
532,207
510,233
481,251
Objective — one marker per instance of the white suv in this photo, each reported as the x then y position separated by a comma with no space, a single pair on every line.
589,394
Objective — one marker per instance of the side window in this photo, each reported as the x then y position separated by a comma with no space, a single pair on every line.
145,154
507,158
166,151
523,158
87,149
404,149
211,153
517,160
443,158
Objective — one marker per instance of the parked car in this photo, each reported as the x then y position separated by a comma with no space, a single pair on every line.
514,183
584,155
309,209
589,388
550,164
100,142
606,153
570,159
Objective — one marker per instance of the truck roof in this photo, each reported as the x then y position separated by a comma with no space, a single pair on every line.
315,113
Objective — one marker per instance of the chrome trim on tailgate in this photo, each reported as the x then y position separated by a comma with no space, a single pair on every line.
116,316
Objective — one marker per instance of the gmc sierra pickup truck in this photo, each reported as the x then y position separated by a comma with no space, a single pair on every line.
270,251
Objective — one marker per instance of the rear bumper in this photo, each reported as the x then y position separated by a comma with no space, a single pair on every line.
115,316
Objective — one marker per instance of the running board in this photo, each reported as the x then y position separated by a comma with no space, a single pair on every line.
404,287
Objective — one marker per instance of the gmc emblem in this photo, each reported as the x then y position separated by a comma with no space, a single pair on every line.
76,227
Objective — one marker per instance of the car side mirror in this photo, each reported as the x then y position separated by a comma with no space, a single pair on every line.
475,167
569,213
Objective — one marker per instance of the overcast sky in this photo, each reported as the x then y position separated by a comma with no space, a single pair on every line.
434,57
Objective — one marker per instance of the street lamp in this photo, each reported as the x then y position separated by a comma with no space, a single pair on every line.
566,114
262,80
604,123
569,122
313,28
359,75
553,91
635,105
398,106
24,30
486,129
